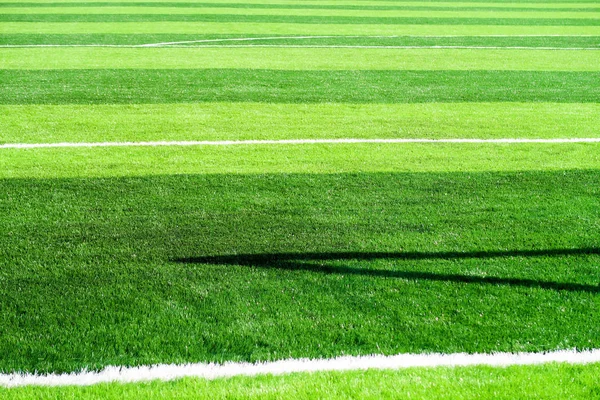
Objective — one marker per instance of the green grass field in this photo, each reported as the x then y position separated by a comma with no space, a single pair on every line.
127,256
557,381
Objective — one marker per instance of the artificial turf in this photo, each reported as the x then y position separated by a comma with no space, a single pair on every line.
555,381
123,86
415,6
302,59
248,121
254,28
147,161
590,42
139,255
126,271
216,10
297,19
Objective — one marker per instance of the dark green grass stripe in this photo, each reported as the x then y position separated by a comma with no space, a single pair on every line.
135,39
296,19
365,6
277,86
97,272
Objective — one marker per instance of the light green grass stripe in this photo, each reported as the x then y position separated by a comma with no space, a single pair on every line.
312,5
559,381
300,12
143,161
250,121
292,3
299,59
296,6
449,4
253,28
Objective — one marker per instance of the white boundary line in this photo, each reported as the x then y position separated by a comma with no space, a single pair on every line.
288,46
167,372
262,38
287,142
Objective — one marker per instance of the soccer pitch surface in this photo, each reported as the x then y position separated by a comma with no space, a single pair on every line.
254,181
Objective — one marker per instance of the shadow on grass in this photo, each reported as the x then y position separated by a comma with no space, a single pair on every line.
300,262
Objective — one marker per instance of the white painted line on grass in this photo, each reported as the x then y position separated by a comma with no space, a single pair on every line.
288,38
316,46
212,371
296,46
288,142
169,44
245,39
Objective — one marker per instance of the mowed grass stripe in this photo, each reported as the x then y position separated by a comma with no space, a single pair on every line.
277,86
298,142
554,380
586,8
297,19
317,158
256,121
258,267
314,59
442,3
301,12
256,28
238,40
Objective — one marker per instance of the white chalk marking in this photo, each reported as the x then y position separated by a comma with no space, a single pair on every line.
288,142
212,371
254,38
316,46
307,46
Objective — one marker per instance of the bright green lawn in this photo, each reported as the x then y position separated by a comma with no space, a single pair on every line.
247,121
255,28
532,4
317,5
129,256
555,381
300,59
145,161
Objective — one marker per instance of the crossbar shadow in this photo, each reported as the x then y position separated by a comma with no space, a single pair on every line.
301,262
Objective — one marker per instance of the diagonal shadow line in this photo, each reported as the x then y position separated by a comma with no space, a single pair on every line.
297,261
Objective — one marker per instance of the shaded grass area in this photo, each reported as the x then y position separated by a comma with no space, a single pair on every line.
91,272
136,39
316,158
248,121
280,86
524,7
302,262
297,19
517,382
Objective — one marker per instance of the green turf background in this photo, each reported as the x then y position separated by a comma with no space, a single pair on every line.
138,255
